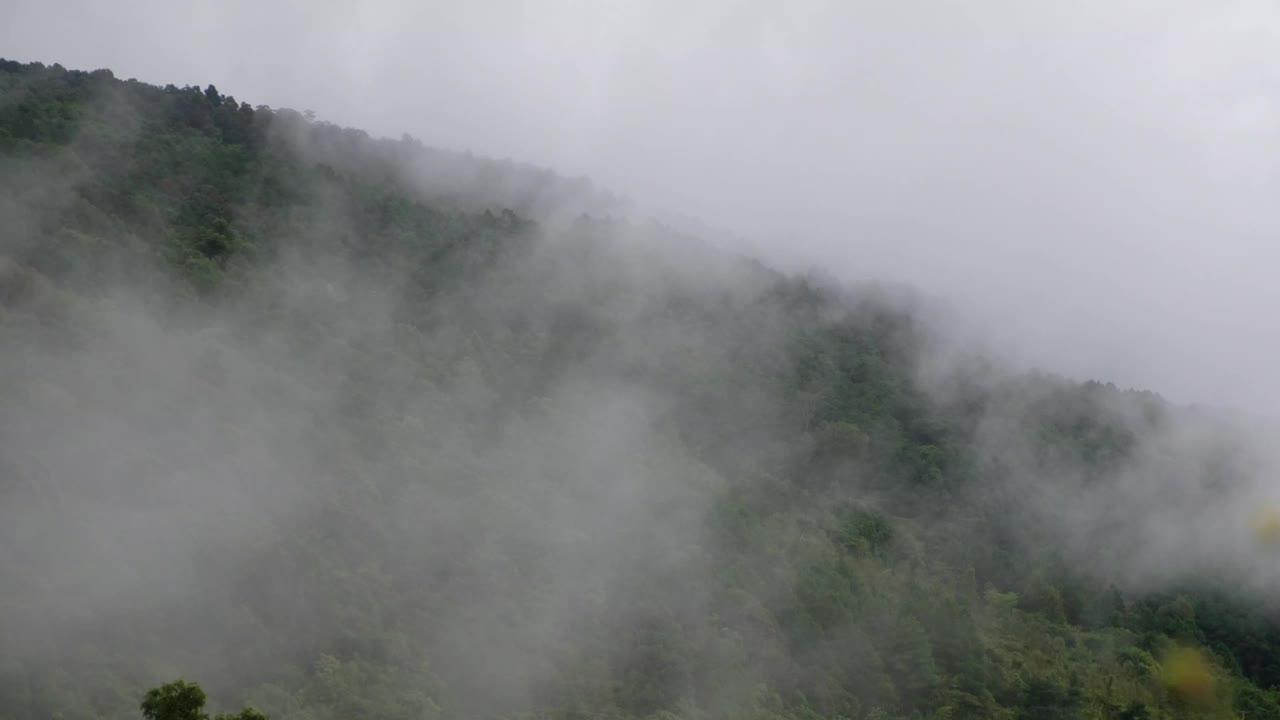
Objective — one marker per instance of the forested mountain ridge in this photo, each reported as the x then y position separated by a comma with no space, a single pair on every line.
343,429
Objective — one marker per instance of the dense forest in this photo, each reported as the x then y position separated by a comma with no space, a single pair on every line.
345,427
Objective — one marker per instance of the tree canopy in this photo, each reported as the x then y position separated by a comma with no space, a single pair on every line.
355,428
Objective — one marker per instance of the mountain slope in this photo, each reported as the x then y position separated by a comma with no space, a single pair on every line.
345,427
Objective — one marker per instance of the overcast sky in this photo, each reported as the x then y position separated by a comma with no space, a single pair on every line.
1096,180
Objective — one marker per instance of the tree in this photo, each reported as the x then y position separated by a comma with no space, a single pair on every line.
181,700
178,700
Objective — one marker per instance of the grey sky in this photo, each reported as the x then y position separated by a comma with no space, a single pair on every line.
1097,181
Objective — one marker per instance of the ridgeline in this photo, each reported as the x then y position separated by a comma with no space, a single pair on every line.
345,427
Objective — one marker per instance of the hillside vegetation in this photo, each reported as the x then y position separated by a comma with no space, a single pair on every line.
342,427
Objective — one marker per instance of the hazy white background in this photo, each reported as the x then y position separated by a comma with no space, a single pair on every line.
1097,181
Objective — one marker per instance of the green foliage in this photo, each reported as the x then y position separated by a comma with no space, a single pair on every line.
852,565
181,700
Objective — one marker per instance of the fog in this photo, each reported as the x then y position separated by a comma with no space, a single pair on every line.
170,466
1093,183
505,451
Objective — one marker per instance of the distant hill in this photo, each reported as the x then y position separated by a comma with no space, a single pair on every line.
345,427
